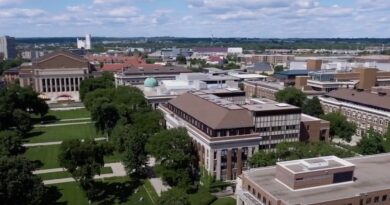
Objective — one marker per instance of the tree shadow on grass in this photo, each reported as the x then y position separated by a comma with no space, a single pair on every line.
52,196
45,119
33,134
114,192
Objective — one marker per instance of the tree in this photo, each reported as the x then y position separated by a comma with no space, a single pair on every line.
386,138
105,116
173,196
371,143
181,59
134,156
174,151
339,126
262,159
278,68
22,121
313,107
291,96
84,160
17,183
10,143
89,85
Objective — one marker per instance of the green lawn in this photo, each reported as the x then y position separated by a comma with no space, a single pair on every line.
201,197
60,133
224,201
55,175
69,114
115,157
47,155
115,191
150,190
65,174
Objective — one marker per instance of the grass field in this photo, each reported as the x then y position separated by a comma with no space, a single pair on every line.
60,133
115,191
224,201
65,174
151,192
201,197
47,155
69,114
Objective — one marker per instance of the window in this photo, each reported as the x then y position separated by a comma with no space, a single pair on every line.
384,197
376,199
368,200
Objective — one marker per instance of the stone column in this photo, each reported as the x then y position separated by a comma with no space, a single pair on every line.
229,165
218,166
239,161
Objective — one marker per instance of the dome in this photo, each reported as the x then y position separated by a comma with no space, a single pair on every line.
150,82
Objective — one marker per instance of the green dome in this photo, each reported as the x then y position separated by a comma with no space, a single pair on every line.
150,82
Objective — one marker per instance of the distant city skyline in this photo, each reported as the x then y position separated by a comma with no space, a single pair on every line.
196,18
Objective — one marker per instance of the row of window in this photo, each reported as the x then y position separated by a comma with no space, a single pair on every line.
258,195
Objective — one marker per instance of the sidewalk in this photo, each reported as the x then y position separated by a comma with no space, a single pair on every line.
63,124
118,170
54,143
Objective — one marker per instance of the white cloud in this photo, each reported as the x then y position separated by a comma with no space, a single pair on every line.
122,12
20,12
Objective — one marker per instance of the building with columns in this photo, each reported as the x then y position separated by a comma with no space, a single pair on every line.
56,76
227,133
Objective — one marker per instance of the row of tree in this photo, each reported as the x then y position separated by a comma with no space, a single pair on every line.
135,132
17,183
297,150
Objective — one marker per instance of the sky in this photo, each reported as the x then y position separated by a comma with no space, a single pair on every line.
196,18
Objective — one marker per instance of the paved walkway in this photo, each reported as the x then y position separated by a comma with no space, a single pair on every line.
157,182
118,170
54,143
63,124
158,185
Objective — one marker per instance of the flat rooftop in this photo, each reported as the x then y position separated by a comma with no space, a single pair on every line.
314,164
263,104
371,174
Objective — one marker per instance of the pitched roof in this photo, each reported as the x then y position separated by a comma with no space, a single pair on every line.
363,98
211,114
60,53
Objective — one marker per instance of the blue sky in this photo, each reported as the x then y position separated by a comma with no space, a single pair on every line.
196,18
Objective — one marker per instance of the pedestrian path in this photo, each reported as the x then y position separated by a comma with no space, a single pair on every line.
63,124
118,170
54,143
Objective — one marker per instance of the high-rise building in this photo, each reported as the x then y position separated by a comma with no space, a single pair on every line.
7,47
84,43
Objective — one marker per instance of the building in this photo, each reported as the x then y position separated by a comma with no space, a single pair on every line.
11,75
56,76
328,80
288,76
158,92
314,64
274,59
259,68
137,75
318,181
314,129
228,129
85,43
366,109
262,89
7,48
33,54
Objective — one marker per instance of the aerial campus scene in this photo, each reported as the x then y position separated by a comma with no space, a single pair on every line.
195,102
